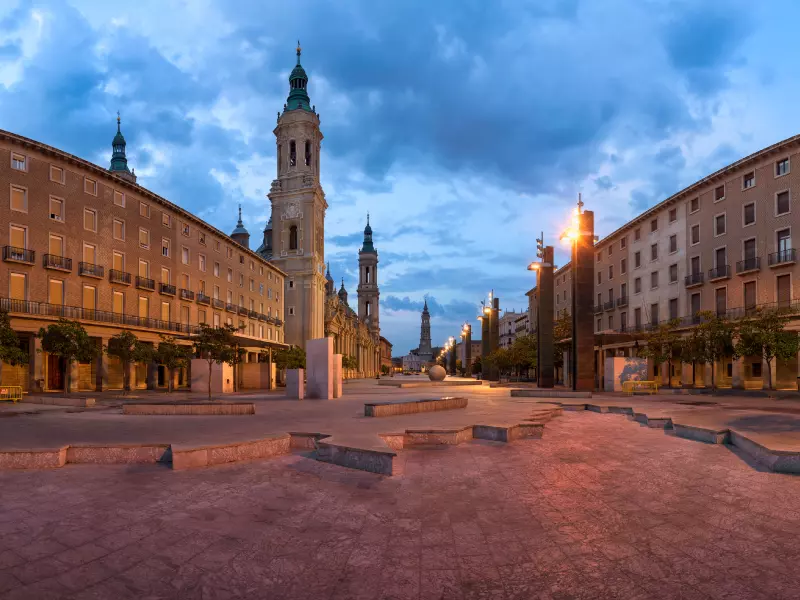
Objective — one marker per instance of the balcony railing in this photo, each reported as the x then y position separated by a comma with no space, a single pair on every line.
720,272
694,279
18,255
122,277
143,283
60,263
598,309
608,305
184,294
253,314
230,307
622,301
782,257
242,311
85,314
748,264
91,270
262,317
217,303
203,299
166,289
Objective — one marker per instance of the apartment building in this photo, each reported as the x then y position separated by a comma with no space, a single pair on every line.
507,328
89,243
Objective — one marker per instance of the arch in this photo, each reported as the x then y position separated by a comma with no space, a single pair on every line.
366,309
367,275
292,154
293,237
308,153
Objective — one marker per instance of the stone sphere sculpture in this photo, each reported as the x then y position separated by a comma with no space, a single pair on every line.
436,373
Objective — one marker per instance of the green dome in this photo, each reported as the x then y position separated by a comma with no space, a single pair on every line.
298,82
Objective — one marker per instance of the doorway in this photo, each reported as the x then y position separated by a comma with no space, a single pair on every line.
55,372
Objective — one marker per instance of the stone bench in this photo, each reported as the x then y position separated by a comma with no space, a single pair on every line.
191,408
391,409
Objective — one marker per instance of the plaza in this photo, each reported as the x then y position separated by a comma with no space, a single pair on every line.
602,506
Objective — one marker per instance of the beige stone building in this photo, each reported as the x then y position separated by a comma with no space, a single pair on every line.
88,243
723,244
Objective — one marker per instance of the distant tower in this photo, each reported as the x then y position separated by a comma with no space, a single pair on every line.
425,349
240,234
343,293
119,161
298,213
368,294
265,249
330,287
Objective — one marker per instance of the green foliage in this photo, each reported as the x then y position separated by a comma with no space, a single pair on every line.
500,359
385,370
764,335
714,339
128,349
663,343
10,352
68,340
172,356
293,357
477,365
562,338
216,345
524,352
349,362
690,349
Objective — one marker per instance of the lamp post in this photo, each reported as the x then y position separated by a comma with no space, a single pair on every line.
466,336
545,344
452,355
580,235
490,334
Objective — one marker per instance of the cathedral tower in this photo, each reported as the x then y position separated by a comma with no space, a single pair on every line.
119,160
368,294
298,213
425,351
240,234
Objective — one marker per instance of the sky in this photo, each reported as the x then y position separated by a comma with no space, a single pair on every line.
464,127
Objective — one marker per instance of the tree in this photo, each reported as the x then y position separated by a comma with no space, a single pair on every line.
128,349
476,365
10,352
69,341
690,350
349,362
216,345
172,356
293,357
662,342
500,359
763,335
715,338
385,369
562,338
524,353
459,366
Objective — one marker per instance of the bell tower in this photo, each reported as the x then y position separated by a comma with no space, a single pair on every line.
368,294
298,213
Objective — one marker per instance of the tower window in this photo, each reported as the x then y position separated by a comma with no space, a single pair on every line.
292,154
293,236
280,154
366,307
308,153
367,274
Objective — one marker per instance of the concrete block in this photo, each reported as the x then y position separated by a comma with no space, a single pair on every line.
548,393
337,376
47,458
221,377
389,409
184,457
194,408
438,437
364,459
76,401
119,454
305,440
701,434
295,384
319,362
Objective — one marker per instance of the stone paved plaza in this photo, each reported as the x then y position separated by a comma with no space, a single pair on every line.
601,507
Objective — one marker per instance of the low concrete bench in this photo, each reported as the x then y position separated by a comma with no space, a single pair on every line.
630,387
196,408
391,409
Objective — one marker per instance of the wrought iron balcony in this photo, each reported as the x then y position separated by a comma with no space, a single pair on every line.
166,289
58,263
121,277
91,270
242,311
203,299
217,303
748,264
622,301
782,257
184,294
253,314
144,283
598,309
719,272
230,307
19,255
608,305
262,317
693,279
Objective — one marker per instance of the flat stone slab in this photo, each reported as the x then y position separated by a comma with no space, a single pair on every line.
355,453
416,384
186,457
391,409
74,402
49,458
544,393
190,408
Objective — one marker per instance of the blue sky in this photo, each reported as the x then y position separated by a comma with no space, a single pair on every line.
464,127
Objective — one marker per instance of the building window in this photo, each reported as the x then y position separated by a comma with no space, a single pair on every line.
261,291
144,268
623,266
118,261
18,286
185,229
782,167
694,205
637,259
291,311
637,285
230,275
782,203
241,259
673,273
55,292
784,239
673,243
19,199
673,215
599,277
719,193
18,162
56,174
90,254
57,209
241,280
654,225
653,252
119,199
166,220
185,255
637,235
654,313
216,245
144,238
749,214
673,308
599,324
292,153
599,256
165,247
90,186
719,225
748,180
610,251
653,280
90,219
202,238
216,269
695,265
291,284
293,237
89,297
623,243
202,262
118,230
611,271
144,210
695,237
611,321
252,285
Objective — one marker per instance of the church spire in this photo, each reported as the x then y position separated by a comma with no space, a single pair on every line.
119,159
240,235
298,82
368,247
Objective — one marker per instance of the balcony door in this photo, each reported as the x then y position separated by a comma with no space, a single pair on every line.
56,245
750,250
721,300
784,289
18,237
749,295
